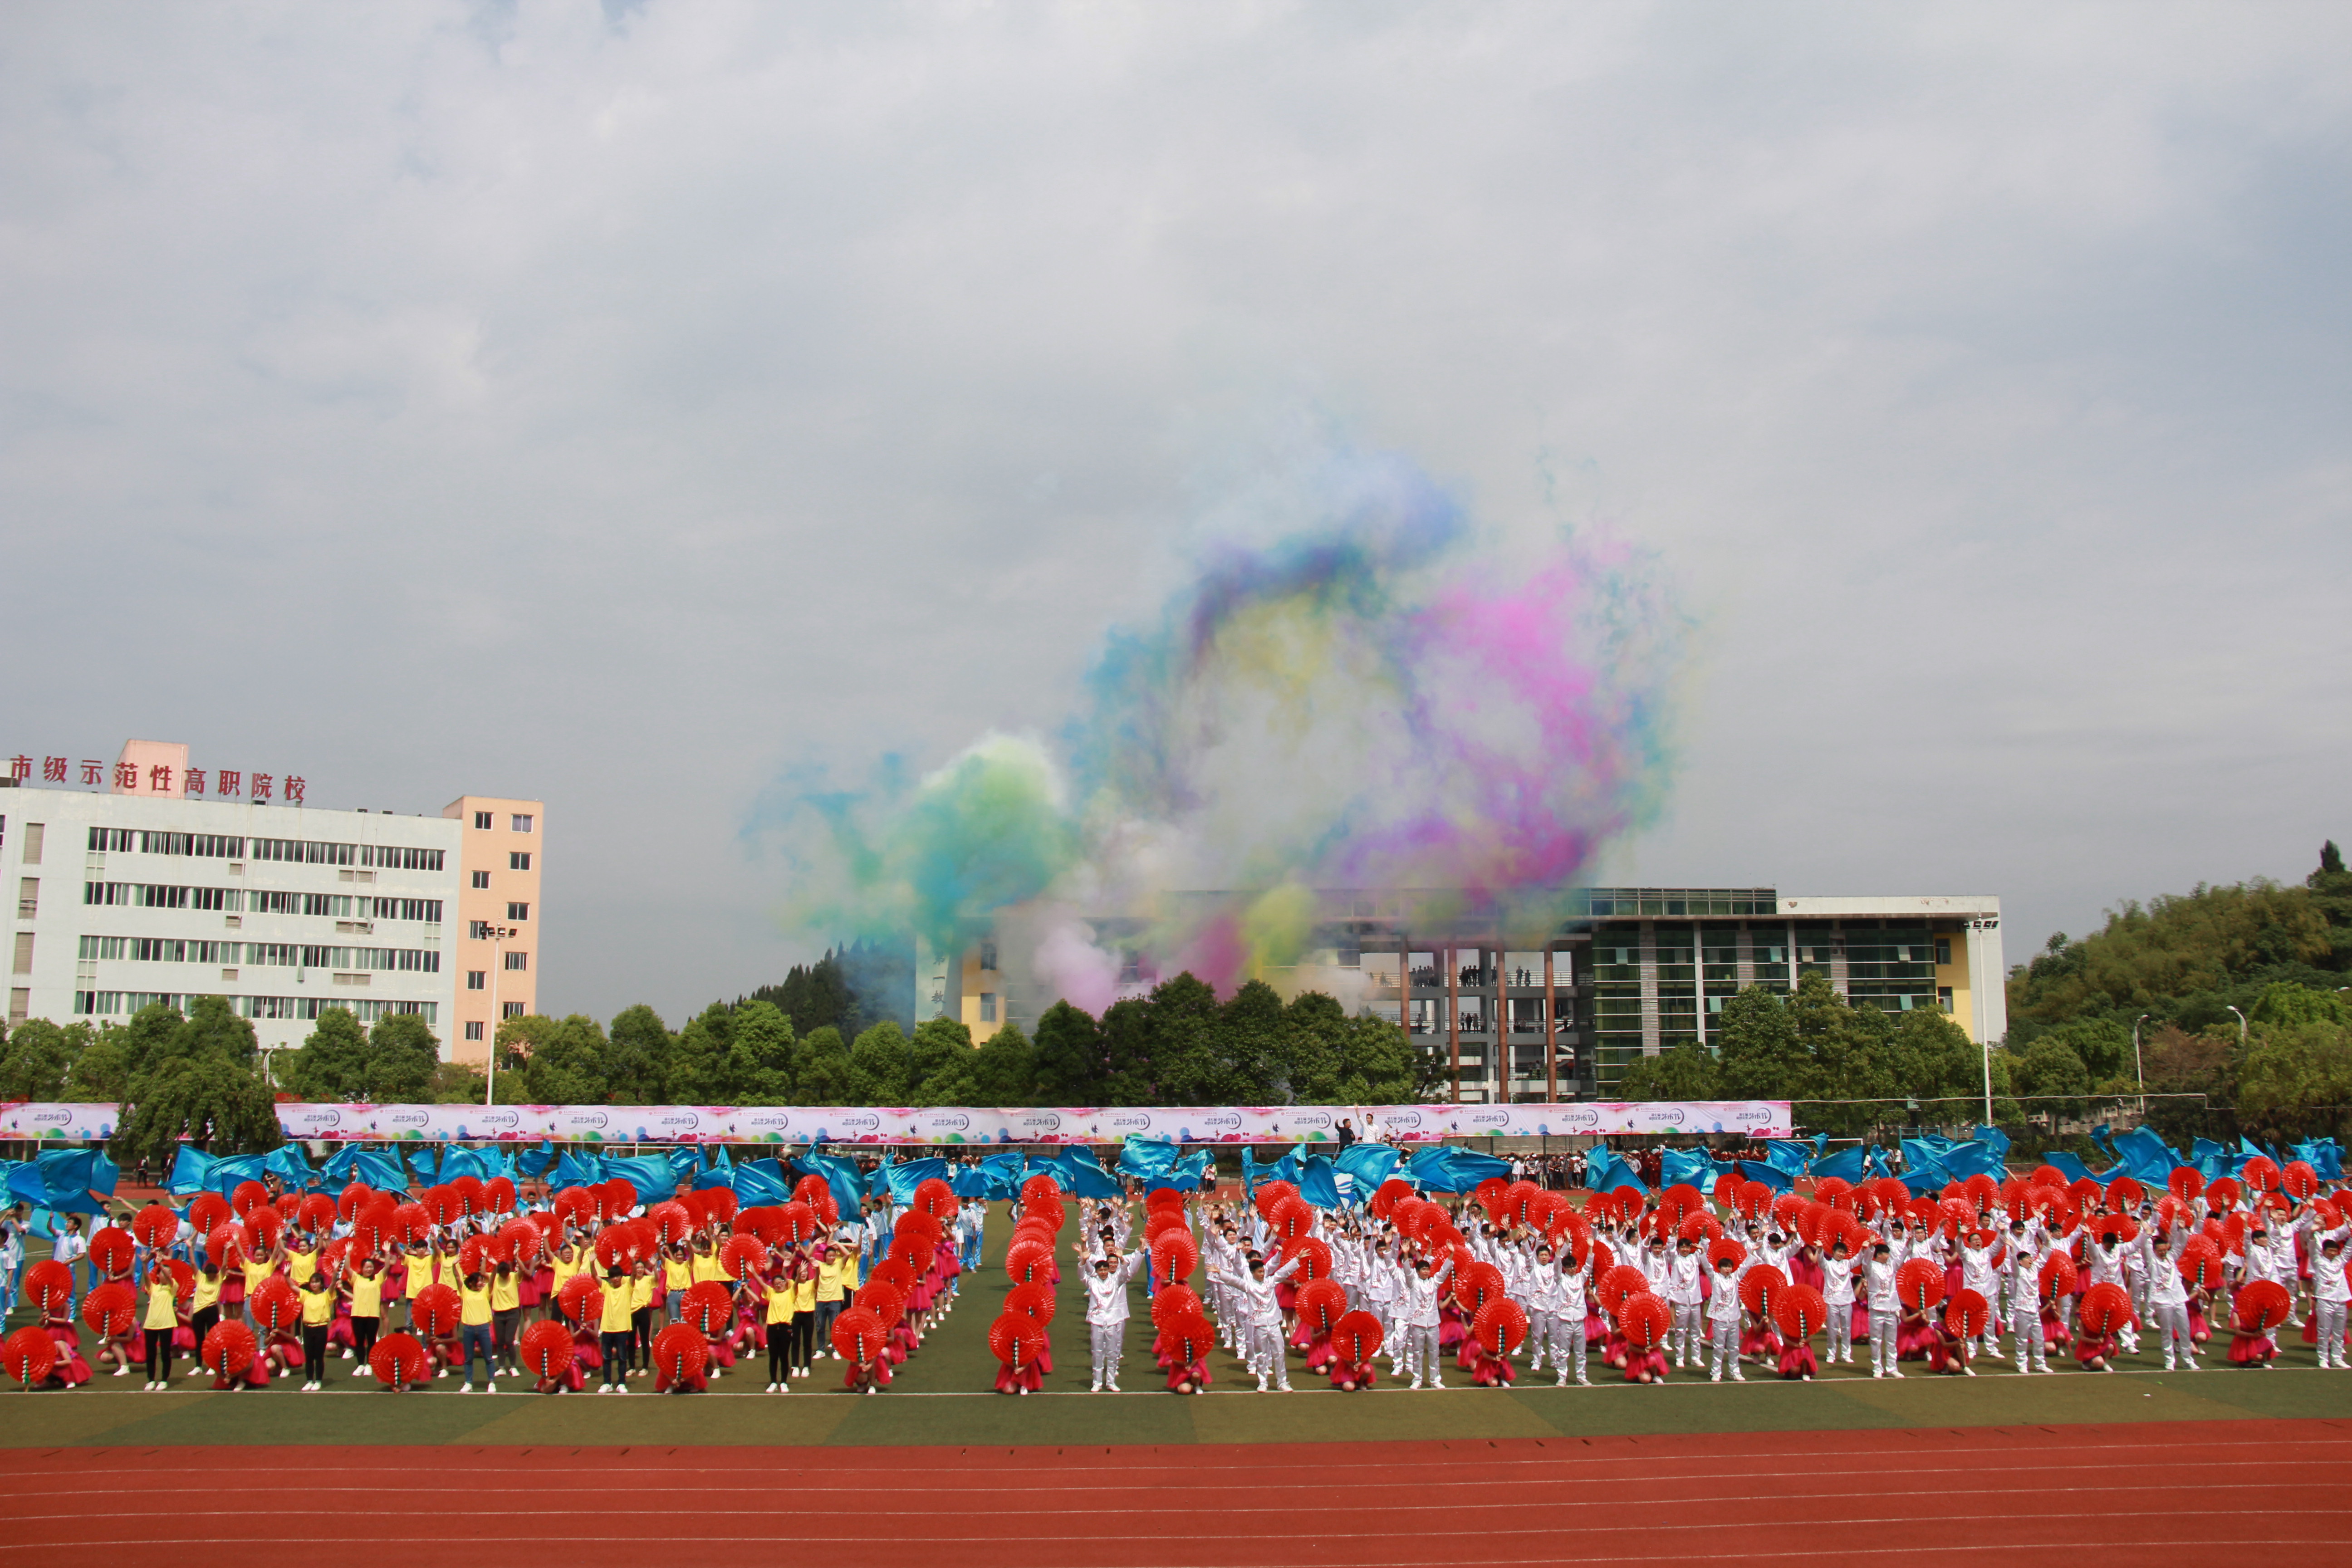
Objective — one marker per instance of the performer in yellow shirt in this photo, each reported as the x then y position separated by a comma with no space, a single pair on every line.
506,1314
162,1321
641,1316
829,1293
473,1332
366,1290
423,1268
804,1313
614,1334
781,1296
318,1313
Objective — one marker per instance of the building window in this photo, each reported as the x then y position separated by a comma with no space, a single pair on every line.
24,953
34,832
482,819
472,1029
517,859
510,1010
988,956
517,911
1943,950
481,879
28,897
1944,997
521,823
988,1006
517,961
475,979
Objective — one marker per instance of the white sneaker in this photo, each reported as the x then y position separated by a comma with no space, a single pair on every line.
465,1388
1715,1377
1094,1388
1112,1386
490,1388
620,1388
1437,1383
1876,1371
1737,1376
123,1371
1283,1386
1416,1383
347,1352
1581,1382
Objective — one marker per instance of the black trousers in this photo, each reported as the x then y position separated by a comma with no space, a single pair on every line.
641,1325
805,1333
615,1346
159,1355
363,1337
504,1327
314,1352
202,1319
779,1352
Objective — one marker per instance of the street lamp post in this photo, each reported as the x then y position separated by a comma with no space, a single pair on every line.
2138,1071
2242,1027
497,936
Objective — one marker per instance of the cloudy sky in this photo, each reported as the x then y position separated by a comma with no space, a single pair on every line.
635,404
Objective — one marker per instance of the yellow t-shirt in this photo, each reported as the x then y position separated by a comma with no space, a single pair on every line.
208,1286
301,1265
161,1314
641,1291
367,1295
781,1299
318,1308
706,1267
505,1292
828,1280
424,1270
804,1290
254,1273
474,1305
676,1276
615,1318
849,1273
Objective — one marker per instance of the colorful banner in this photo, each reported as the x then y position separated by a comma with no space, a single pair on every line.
874,1124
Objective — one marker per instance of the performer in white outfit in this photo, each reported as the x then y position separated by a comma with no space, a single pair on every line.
1107,1313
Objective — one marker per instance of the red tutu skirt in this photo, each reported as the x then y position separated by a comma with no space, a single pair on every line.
586,1351
2055,1334
1354,1378
1653,1360
1028,1377
1490,1371
2251,1350
881,1374
1797,1360
2090,1348
1197,1374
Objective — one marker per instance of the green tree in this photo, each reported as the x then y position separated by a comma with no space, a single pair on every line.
1760,1052
945,1065
101,1069
196,1079
1313,1034
1069,1063
1187,1034
1246,1052
401,1057
2104,1046
330,1065
2052,1078
759,1057
824,1076
1004,1070
1687,1072
569,1060
39,1057
879,1065
637,1058
2295,1078
1378,1064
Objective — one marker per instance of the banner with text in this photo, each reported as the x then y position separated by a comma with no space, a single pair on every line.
871,1124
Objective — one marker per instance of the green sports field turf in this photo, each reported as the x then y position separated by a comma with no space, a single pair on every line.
942,1396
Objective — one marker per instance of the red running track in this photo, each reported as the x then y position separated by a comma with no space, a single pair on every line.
2080,1496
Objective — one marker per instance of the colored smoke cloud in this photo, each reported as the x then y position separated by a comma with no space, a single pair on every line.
1381,699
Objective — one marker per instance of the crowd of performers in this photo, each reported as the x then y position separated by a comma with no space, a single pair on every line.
587,1284
1753,1278
591,1284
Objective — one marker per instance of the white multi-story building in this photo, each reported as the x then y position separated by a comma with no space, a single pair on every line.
138,894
